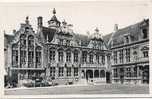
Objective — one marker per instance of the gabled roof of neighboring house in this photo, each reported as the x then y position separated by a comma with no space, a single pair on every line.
8,39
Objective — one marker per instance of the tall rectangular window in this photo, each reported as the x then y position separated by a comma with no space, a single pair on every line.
52,71
68,56
103,59
121,56
30,58
76,56
115,71
97,59
38,58
68,71
115,57
84,57
23,57
128,55
128,72
60,57
61,71
91,58
15,57
52,55
76,71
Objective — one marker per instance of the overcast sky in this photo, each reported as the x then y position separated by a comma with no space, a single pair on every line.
85,16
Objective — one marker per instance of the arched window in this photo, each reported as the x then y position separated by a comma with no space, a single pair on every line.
102,73
22,58
38,56
26,29
52,54
75,56
96,73
31,41
68,56
14,55
103,59
60,55
145,33
23,40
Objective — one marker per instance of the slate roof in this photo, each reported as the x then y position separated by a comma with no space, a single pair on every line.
133,31
107,37
83,39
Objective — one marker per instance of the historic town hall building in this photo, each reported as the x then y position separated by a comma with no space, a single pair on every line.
57,52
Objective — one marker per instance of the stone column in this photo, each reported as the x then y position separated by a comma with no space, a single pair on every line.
27,53
72,72
26,74
85,75
56,72
19,57
124,55
93,73
106,61
64,56
56,56
34,60
19,82
65,72
138,71
72,57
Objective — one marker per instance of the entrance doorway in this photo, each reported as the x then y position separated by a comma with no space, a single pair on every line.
145,75
96,73
108,77
89,74
121,75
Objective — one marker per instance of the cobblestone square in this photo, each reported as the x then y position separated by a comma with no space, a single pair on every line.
87,89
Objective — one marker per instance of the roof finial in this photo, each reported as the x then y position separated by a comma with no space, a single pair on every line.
96,30
54,11
27,21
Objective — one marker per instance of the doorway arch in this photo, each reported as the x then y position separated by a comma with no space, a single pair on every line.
96,73
102,73
89,74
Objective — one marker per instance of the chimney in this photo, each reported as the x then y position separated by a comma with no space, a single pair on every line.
14,31
116,27
40,21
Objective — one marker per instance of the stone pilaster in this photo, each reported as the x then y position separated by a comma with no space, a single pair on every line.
56,56
34,60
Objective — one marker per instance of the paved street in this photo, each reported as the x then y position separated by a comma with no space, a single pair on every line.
87,89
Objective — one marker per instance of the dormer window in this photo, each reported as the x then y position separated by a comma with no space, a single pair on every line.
145,53
145,33
61,41
127,39
26,29
68,42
